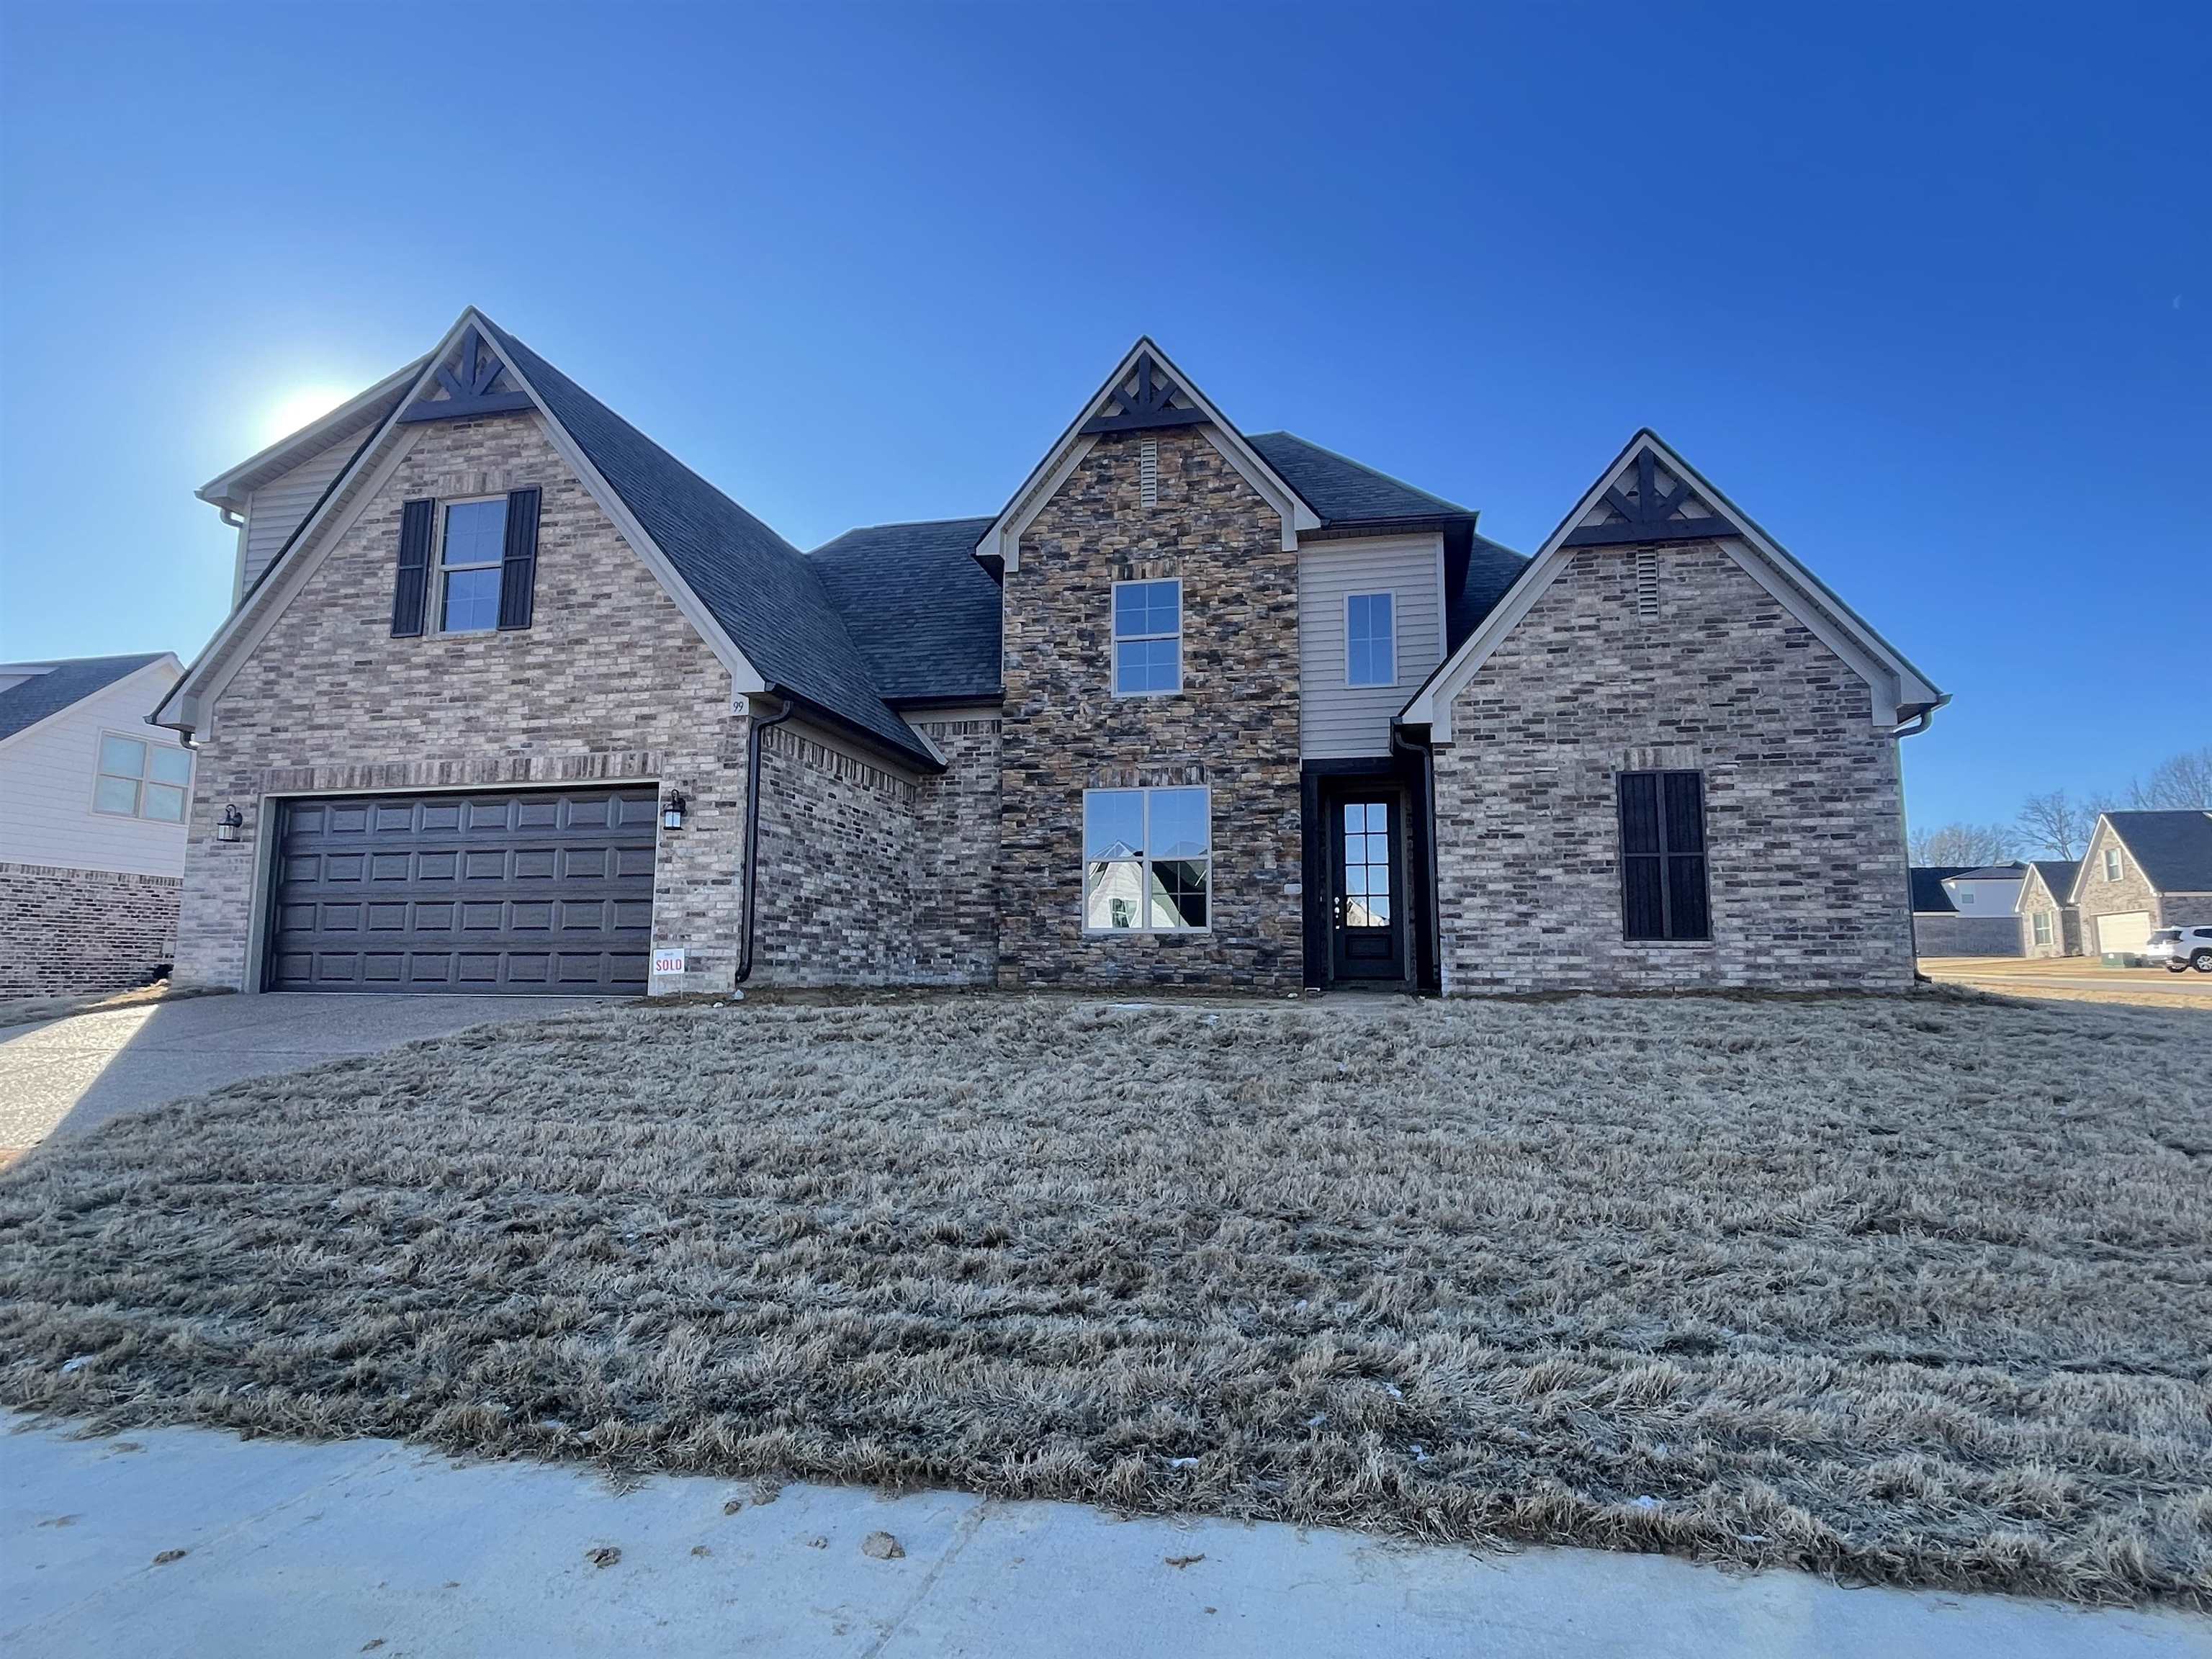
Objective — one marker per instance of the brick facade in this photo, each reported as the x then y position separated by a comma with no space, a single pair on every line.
1947,934
2035,896
2132,891
1804,823
610,682
71,931
1233,727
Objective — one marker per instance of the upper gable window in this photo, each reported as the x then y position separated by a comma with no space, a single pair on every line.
2112,864
1370,639
469,555
142,779
1147,638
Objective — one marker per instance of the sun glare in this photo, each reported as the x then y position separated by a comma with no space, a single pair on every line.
297,409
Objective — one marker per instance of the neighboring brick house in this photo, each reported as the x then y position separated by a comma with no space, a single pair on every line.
513,701
92,824
1967,910
2050,923
2144,870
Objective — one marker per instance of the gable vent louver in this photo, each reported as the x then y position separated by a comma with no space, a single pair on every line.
1647,582
1148,472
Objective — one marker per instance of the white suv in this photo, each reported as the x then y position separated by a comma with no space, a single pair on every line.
2180,949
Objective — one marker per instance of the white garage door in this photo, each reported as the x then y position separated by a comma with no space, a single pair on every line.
2129,931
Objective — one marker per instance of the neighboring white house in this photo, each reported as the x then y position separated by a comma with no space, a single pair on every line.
1991,891
92,803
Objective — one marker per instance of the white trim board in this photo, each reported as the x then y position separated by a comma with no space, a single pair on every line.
1002,540
1898,686
193,698
166,659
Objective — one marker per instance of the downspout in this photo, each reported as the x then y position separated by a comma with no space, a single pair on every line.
752,833
1911,728
1435,906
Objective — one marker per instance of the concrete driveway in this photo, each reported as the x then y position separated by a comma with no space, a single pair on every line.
66,1076
182,1542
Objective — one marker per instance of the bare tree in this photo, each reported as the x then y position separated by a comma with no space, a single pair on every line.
2179,782
1966,845
2057,825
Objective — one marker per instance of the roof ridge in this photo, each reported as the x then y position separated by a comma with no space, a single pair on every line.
902,524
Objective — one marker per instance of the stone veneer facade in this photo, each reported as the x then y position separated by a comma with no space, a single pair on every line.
610,683
1803,804
64,931
1233,727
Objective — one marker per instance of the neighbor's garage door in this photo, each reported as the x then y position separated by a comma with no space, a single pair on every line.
545,891
2126,933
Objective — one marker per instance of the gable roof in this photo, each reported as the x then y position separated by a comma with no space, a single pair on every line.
361,413
2057,876
1488,576
921,607
1929,896
63,683
1901,692
2173,849
764,592
1145,361
1344,491
753,596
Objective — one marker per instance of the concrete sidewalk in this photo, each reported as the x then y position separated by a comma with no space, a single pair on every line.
373,1547
66,1076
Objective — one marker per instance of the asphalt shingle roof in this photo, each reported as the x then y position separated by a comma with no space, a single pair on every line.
42,695
1928,894
1491,569
2174,848
921,608
768,596
1344,491
2058,875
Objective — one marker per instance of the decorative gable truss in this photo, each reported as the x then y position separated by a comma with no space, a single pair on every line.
463,377
475,383
1650,497
1146,392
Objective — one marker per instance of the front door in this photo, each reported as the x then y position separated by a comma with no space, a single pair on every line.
1367,911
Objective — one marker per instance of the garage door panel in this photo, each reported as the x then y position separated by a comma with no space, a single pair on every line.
2127,932
444,893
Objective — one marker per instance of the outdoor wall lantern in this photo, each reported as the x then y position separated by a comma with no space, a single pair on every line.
227,826
672,810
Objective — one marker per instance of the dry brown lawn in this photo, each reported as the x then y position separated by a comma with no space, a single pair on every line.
1913,1290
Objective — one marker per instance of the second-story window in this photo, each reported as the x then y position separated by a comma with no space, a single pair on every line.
2112,864
1147,638
468,566
1371,639
142,779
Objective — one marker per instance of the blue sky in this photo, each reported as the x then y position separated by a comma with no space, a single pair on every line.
1924,289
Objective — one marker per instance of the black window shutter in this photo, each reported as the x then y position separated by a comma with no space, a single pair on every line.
410,590
517,567
1662,856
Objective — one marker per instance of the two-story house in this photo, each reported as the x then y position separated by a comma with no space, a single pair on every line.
512,700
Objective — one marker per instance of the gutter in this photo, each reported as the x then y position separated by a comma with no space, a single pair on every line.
752,833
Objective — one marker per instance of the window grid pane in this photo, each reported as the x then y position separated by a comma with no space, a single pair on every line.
1370,653
171,766
116,795
471,601
475,533
123,757
1148,863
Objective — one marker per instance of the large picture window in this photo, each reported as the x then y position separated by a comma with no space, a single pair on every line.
1662,856
1147,859
1147,638
468,566
142,779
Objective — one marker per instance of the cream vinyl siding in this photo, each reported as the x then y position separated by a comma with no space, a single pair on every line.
275,510
1336,720
46,776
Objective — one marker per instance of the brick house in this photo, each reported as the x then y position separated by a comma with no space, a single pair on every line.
92,824
511,700
2142,871
2050,923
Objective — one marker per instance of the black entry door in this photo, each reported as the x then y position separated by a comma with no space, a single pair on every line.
1367,920
544,891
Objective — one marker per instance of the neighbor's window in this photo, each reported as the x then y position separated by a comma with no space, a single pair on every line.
142,779
2042,926
468,566
1147,859
1371,639
2112,864
1662,856
1147,637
